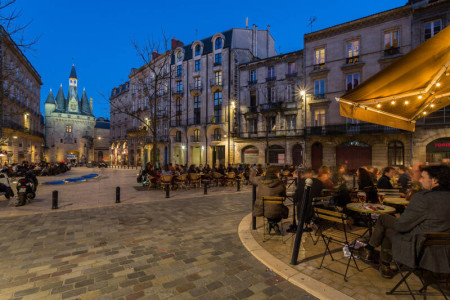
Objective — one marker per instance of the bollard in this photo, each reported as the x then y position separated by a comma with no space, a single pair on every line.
205,188
253,207
117,194
167,191
302,206
55,200
238,185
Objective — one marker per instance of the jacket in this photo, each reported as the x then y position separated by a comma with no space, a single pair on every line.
428,211
270,187
384,183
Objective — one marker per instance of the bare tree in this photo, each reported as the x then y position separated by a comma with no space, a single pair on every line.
150,92
12,33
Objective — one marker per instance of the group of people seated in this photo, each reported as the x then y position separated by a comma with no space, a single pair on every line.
38,169
428,188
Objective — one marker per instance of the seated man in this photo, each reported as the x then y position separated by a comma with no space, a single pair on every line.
385,181
428,211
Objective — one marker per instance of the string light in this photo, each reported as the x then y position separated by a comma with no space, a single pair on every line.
378,105
406,102
432,105
438,84
392,102
420,97
424,112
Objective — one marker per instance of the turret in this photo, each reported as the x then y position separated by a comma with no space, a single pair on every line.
50,104
85,107
60,100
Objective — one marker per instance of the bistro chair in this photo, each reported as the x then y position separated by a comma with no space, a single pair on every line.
230,178
266,202
181,181
337,233
218,178
166,179
194,180
431,240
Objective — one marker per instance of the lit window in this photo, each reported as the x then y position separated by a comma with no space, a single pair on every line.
218,78
319,117
395,153
68,128
391,39
319,56
352,51
432,28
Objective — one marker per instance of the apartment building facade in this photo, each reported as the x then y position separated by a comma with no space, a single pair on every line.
119,126
22,126
337,59
270,110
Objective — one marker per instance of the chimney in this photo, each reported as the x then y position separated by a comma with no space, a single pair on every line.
255,40
176,43
155,55
246,22
90,105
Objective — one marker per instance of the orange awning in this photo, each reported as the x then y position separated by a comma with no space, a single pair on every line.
414,86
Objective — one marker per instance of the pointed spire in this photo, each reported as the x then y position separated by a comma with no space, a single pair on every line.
60,100
50,98
73,73
85,108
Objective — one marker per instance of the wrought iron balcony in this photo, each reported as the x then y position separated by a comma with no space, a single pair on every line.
352,60
319,67
391,51
271,78
196,89
216,137
276,106
252,81
291,75
319,96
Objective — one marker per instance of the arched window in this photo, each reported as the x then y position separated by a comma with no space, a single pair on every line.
396,153
178,137
179,56
218,43
198,50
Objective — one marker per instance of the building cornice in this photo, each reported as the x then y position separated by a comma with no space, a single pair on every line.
368,21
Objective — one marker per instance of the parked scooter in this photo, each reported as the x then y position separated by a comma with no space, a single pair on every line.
5,186
26,188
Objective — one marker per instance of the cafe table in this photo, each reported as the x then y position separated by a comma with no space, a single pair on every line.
366,209
395,201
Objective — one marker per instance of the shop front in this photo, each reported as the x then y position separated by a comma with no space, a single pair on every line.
438,150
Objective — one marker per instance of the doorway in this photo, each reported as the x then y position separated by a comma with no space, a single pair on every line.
218,155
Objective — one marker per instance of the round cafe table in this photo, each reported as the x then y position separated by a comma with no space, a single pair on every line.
371,208
395,200
366,209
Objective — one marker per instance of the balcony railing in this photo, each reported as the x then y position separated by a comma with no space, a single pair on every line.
319,67
178,92
270,106
362,128
216,83
196,88
291,75
352,60
217,63
271,78
216,137
19,127
177,139
319,96
391,51
252,109
252,81
195,139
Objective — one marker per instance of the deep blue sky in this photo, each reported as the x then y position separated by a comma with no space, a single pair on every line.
96,34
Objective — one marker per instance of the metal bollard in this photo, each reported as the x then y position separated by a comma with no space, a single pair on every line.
205,188
118,194
167,191
238,185
55,200
253,207
302,206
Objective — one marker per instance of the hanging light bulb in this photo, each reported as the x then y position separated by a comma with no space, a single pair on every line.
420,97
392,102
406,102
378,105
438,84
432,105
424,112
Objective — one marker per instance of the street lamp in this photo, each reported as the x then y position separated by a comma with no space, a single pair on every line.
303,94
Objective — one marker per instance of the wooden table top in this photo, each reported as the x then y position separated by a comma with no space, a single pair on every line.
396,200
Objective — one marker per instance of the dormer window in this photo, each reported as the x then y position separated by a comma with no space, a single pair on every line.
179,56
218,44
198,50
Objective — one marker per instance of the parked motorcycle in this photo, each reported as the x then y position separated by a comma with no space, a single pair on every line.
5,186
26,188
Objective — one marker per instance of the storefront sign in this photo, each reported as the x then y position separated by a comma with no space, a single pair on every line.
439,145
281,159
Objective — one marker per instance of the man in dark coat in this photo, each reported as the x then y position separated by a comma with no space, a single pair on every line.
385,181
428,211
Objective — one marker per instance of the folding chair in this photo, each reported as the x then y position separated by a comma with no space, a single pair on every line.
319,202
180,181
432,239
335,235
270,200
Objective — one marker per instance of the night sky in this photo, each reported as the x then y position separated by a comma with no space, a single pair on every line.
96,35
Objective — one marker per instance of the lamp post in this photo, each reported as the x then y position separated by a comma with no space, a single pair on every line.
303,94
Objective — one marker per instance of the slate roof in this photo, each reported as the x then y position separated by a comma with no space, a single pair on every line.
73,73
50,98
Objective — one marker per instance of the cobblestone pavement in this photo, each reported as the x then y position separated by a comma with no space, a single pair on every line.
175,249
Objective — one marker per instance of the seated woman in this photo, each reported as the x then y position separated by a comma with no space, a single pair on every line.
269,185
365,183
192,169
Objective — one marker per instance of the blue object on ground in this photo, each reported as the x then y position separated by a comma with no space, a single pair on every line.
89,176
56,182
76,179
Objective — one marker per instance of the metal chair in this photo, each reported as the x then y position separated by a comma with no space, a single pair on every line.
166,180
431,239
334,235
270,200
194,180
230,178
181,181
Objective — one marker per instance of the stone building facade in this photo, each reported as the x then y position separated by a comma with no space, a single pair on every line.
337,59
69,125
119,125
21,127
270,110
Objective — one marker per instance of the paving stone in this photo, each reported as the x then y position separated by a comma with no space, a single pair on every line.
244,294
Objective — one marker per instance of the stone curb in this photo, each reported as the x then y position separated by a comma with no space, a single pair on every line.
309,284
